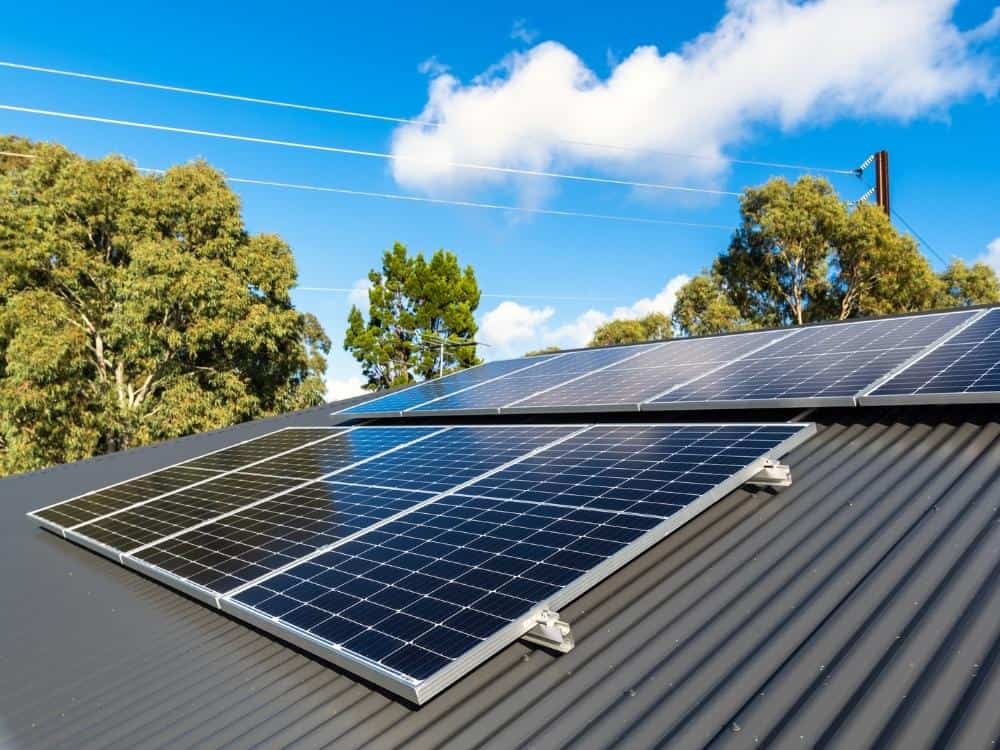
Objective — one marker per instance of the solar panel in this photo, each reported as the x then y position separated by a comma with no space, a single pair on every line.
145,522
234,549
116,497
224,547
646,376
428,595
399,401
489,397
815,366
963,369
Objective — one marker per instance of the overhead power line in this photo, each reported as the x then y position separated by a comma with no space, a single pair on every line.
399,120
364,153
442,201
497,295
916,234
470,204
348,290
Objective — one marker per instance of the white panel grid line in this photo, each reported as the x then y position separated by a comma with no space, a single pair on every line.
541,361
220,475
451,491
399,412
611,515
805,365
930,349
422,690
214,474
713,370
342,483
401,390
301,485
623,442
431,687
163,468
641,350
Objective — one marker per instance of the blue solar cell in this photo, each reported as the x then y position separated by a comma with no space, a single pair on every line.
401,400
427,587
828,362
253,542
124,494
520,385
966,365
650,374
452,457
136,526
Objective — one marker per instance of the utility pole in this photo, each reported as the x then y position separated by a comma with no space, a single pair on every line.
882,181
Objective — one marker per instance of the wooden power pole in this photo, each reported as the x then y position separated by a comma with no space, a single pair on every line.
882,181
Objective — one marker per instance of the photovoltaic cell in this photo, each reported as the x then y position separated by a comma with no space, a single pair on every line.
648,469
966,367
491,396
423,590
418,394
314,461
143,524
253,542
450,458
428,590
255,450
815,365
119,496
227,552
648,375
108,500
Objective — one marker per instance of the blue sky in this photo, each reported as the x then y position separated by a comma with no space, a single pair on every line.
821,84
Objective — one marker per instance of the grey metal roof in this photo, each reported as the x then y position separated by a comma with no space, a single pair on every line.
859,607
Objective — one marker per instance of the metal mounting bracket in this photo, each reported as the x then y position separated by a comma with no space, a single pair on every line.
772,474
549,631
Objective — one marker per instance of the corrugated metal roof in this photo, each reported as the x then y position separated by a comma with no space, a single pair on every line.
859,607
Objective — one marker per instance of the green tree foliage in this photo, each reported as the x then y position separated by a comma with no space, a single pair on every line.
545,350
704,309
876,270
410,300
776,270
968,285
653,327
136,308
801,255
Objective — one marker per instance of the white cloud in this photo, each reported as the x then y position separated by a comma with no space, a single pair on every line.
340,388
511,323
663,302
433,67
987,30
522,32
513,328
358,296
992,255
767,62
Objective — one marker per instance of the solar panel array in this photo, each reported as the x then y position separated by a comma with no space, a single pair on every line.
410,554
823,365
965,368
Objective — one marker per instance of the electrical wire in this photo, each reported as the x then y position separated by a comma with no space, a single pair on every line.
497,295
871,189
916,234
348,290
360,152
390,118
441,201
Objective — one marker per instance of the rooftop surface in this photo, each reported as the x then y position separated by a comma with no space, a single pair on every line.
859,607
